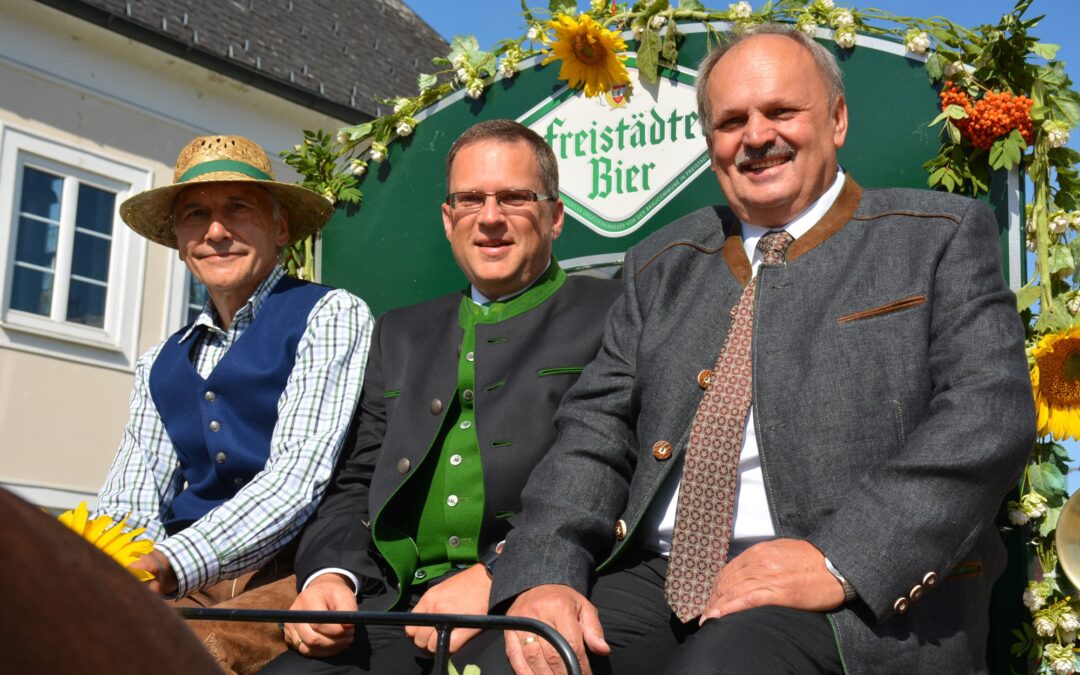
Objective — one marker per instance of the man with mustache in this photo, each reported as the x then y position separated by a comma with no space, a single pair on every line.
455,412
789,452
237,419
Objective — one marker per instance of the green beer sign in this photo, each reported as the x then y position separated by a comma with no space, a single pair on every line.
624,155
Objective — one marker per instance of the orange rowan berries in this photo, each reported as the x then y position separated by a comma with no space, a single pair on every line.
990,118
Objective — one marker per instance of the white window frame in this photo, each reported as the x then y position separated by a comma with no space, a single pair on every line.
176,303
115,343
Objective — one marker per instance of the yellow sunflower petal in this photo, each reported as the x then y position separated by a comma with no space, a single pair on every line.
1055,379
106,536
117,543
141,575
110,537
75,519
96,528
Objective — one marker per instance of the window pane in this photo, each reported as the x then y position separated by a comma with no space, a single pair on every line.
86,304
36,243
41,193
90,257
95,209
31,290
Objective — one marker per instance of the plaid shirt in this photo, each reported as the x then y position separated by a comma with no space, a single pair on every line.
268,512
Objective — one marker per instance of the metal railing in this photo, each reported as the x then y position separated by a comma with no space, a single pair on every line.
443,624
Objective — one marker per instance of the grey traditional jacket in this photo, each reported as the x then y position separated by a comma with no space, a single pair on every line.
523,366
892,405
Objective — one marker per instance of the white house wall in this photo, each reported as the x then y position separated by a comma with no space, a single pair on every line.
63,405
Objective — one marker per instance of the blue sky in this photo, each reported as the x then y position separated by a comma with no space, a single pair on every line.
492,20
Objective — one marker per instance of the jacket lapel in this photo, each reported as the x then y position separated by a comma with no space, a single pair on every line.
838,214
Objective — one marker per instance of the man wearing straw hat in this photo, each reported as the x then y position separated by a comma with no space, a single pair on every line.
230,442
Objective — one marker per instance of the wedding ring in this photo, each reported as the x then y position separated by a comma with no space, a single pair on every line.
528,640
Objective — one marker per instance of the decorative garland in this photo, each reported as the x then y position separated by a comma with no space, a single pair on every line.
1006,103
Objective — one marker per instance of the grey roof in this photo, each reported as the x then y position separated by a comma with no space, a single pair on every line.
335,56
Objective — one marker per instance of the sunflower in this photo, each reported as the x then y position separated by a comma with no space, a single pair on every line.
110,537
590,54
1055,377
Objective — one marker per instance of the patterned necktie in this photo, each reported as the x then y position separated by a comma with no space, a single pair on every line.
703,519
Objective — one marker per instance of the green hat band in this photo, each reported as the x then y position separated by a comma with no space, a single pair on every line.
224,165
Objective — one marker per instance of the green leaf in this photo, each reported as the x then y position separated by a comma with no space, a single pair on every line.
951,111
948,181
563,7
466,44
954,133
1050,520
1039,112
424,80
1074,251
669,48
648,55
1061,259
1067,105
997,154
691,5
1026,296
1045,49
1067,197
1006,152
1046,479
1051,320
954,111
935,67
486,61
359,131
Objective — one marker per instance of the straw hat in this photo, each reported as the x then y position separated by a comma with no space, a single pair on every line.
223,159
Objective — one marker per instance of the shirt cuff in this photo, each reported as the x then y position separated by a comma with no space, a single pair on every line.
194,560
333,570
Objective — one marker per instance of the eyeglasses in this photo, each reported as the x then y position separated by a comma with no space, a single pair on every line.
474,201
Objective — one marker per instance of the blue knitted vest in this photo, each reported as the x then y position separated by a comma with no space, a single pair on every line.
221,426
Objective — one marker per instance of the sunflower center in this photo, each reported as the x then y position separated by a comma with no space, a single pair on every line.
1072,367
586,51
1059,374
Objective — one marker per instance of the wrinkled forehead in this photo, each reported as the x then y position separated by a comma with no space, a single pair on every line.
773,57
205,193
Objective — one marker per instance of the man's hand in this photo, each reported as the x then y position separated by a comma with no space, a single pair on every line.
782,572
568,612
155,562
463,593
328,592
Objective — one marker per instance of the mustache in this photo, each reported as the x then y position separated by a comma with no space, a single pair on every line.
766,152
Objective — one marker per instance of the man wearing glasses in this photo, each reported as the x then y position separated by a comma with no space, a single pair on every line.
456,409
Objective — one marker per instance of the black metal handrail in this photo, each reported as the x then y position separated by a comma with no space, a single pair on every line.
443,624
